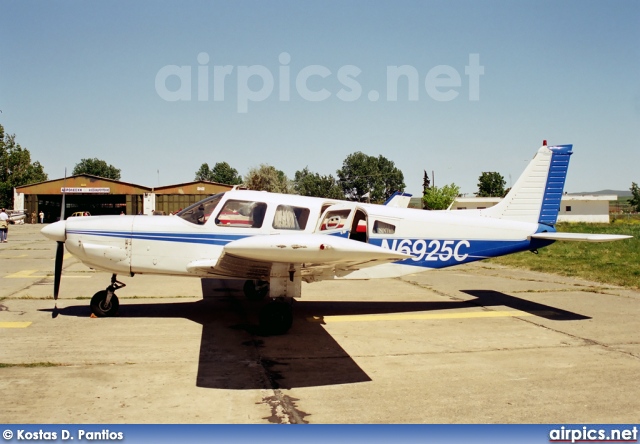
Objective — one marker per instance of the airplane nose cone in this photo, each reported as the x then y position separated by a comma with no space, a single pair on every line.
55,231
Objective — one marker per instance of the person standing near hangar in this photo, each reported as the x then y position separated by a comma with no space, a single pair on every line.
4,226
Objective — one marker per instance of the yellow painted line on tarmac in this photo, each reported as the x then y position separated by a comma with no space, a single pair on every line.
419,316
23,274
14,324
28,274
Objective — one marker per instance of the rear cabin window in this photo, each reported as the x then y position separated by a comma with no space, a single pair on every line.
335,220
380,227
290,218
200,212
242,213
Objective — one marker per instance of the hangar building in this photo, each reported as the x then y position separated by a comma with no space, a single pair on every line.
102,196
171,198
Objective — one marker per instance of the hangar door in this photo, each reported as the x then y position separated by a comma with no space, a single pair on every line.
95,204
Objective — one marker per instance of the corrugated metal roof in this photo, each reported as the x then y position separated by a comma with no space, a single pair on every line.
90,184
197,187
81,181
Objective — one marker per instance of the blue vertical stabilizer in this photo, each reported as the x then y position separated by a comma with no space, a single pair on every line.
555,184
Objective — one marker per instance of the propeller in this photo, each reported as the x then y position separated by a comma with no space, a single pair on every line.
58,270
57,273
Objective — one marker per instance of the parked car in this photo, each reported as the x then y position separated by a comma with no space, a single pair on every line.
80,214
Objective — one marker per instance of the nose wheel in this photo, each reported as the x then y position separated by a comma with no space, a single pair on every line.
104,306
105,302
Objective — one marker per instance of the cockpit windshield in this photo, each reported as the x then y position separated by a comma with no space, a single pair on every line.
199,212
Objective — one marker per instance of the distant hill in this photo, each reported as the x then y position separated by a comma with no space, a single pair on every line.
619,193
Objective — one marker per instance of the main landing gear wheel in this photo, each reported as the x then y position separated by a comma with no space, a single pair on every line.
276,317
255,290
102,307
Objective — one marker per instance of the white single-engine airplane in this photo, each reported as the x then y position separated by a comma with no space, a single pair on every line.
16,216
276,241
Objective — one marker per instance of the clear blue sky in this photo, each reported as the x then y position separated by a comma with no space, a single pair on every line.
79,80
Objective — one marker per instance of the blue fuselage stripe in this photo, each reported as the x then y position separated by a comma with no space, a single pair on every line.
196,238
428,253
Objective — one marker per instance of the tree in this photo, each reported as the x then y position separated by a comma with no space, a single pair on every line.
426,183
267,178
16,168
635,199
361,174
307,183
220,173
96,167
223,173
204,173
491,185
440,198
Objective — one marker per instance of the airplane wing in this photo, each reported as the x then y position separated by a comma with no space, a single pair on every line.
252,257
580,237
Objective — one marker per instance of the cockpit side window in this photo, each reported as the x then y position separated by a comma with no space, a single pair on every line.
242,213
200,212
380,227
290,218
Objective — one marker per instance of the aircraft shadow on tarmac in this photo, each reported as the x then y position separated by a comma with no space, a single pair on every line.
305,357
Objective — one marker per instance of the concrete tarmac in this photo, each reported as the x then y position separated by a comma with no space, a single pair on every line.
473,344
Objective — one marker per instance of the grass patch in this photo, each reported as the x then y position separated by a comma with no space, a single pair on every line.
625,218
616,263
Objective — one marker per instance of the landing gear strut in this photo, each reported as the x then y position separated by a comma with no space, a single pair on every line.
105,303
285,283
255,290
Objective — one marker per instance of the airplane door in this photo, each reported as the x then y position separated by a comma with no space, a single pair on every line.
336,220
359,226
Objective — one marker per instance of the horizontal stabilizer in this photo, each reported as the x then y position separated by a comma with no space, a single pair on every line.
580,237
